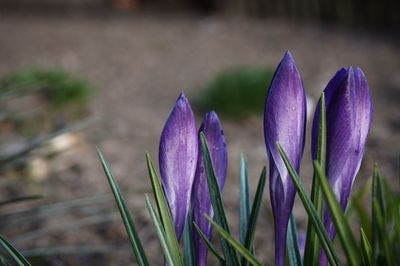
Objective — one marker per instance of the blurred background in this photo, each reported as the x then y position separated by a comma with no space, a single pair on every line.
76,74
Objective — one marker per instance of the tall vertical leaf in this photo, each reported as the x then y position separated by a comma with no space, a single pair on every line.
292,244
251,228
216,201
312,246
366,250
125,214
244,198
164,213
311,211
341,224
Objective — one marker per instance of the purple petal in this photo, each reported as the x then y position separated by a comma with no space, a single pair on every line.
177,160
201,203
349,116
284,122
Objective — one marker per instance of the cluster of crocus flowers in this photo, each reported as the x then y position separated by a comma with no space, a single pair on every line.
348,116
182,169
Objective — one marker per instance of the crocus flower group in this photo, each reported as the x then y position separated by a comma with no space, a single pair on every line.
348,116
182,169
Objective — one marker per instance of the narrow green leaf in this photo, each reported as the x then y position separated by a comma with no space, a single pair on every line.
379,209
362,213
13,252
188,248
160,232
342,226
383,235
164,213
251,228
236,244
244,198
292,244
20,199
366,250
312,245
216,201
209,245
125,214
311,211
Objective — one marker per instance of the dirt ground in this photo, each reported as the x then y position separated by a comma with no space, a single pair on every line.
139,64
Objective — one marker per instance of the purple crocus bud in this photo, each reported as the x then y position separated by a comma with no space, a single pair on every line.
201,203
284,122
348,120
177,160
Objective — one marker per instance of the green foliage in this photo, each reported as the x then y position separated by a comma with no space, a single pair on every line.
312,213
312,246
217,204
136,244
59,87
235,93
13,253
167,231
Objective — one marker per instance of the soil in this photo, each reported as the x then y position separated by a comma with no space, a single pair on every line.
139,63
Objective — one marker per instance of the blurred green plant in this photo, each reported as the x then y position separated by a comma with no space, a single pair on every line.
59,87
379,220
236,92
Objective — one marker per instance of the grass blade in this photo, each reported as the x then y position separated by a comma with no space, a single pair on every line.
209,245
292,244
160,232
125,215
21,199
164,213
377,196
236,244
312,246
14,253
216,201
251,228
342,226
387,256
244,198
188,248
311,211
366,250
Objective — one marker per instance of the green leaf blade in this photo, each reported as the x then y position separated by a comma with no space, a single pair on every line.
292,244
244,198
18,258
311,211
164,213
216,202
136,244
160,232
251,228
366,250
342,226
312,245
209,245
236,244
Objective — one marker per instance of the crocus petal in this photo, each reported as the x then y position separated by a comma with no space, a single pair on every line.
284,122
348,118
201,203
177,160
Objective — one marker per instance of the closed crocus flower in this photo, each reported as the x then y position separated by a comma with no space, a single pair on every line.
177,160
284,122
348,120
201,203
